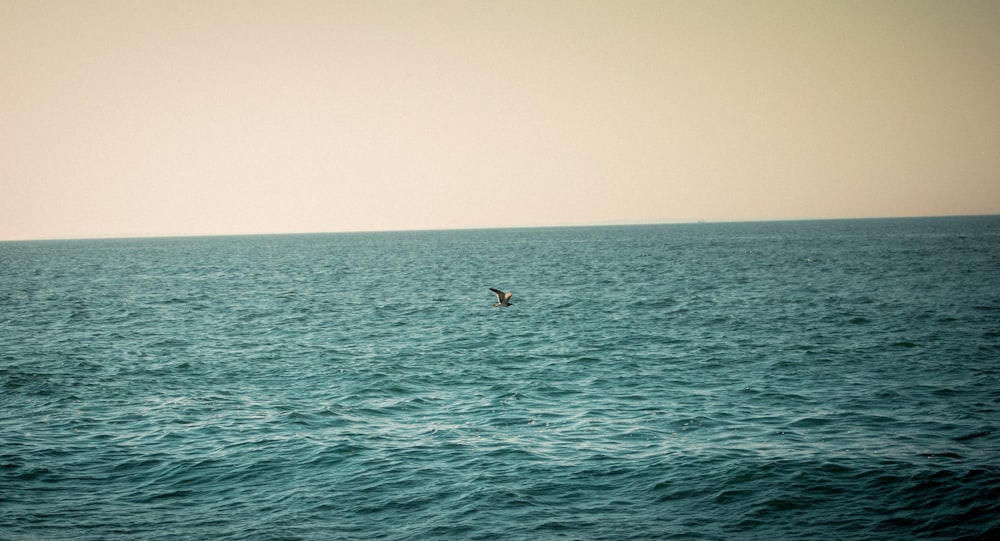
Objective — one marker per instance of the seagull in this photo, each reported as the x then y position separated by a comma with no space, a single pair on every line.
503,299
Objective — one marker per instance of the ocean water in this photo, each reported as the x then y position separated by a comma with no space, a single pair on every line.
789,380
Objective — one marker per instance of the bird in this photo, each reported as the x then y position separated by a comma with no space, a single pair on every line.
503,299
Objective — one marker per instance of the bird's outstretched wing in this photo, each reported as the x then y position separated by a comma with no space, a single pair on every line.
498,293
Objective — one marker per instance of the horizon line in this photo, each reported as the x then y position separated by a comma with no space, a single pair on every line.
623,223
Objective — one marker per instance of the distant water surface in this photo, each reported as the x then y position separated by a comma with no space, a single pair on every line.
791,380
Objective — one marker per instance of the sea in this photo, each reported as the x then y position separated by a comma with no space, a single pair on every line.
832,379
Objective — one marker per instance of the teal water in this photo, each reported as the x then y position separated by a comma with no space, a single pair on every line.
793,380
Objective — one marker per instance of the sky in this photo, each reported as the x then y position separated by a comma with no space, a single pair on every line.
188,117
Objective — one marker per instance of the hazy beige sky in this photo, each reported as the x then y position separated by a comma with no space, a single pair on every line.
176,117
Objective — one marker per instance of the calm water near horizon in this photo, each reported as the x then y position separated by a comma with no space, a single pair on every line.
767,380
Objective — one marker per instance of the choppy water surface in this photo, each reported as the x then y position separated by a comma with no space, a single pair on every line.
796,380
